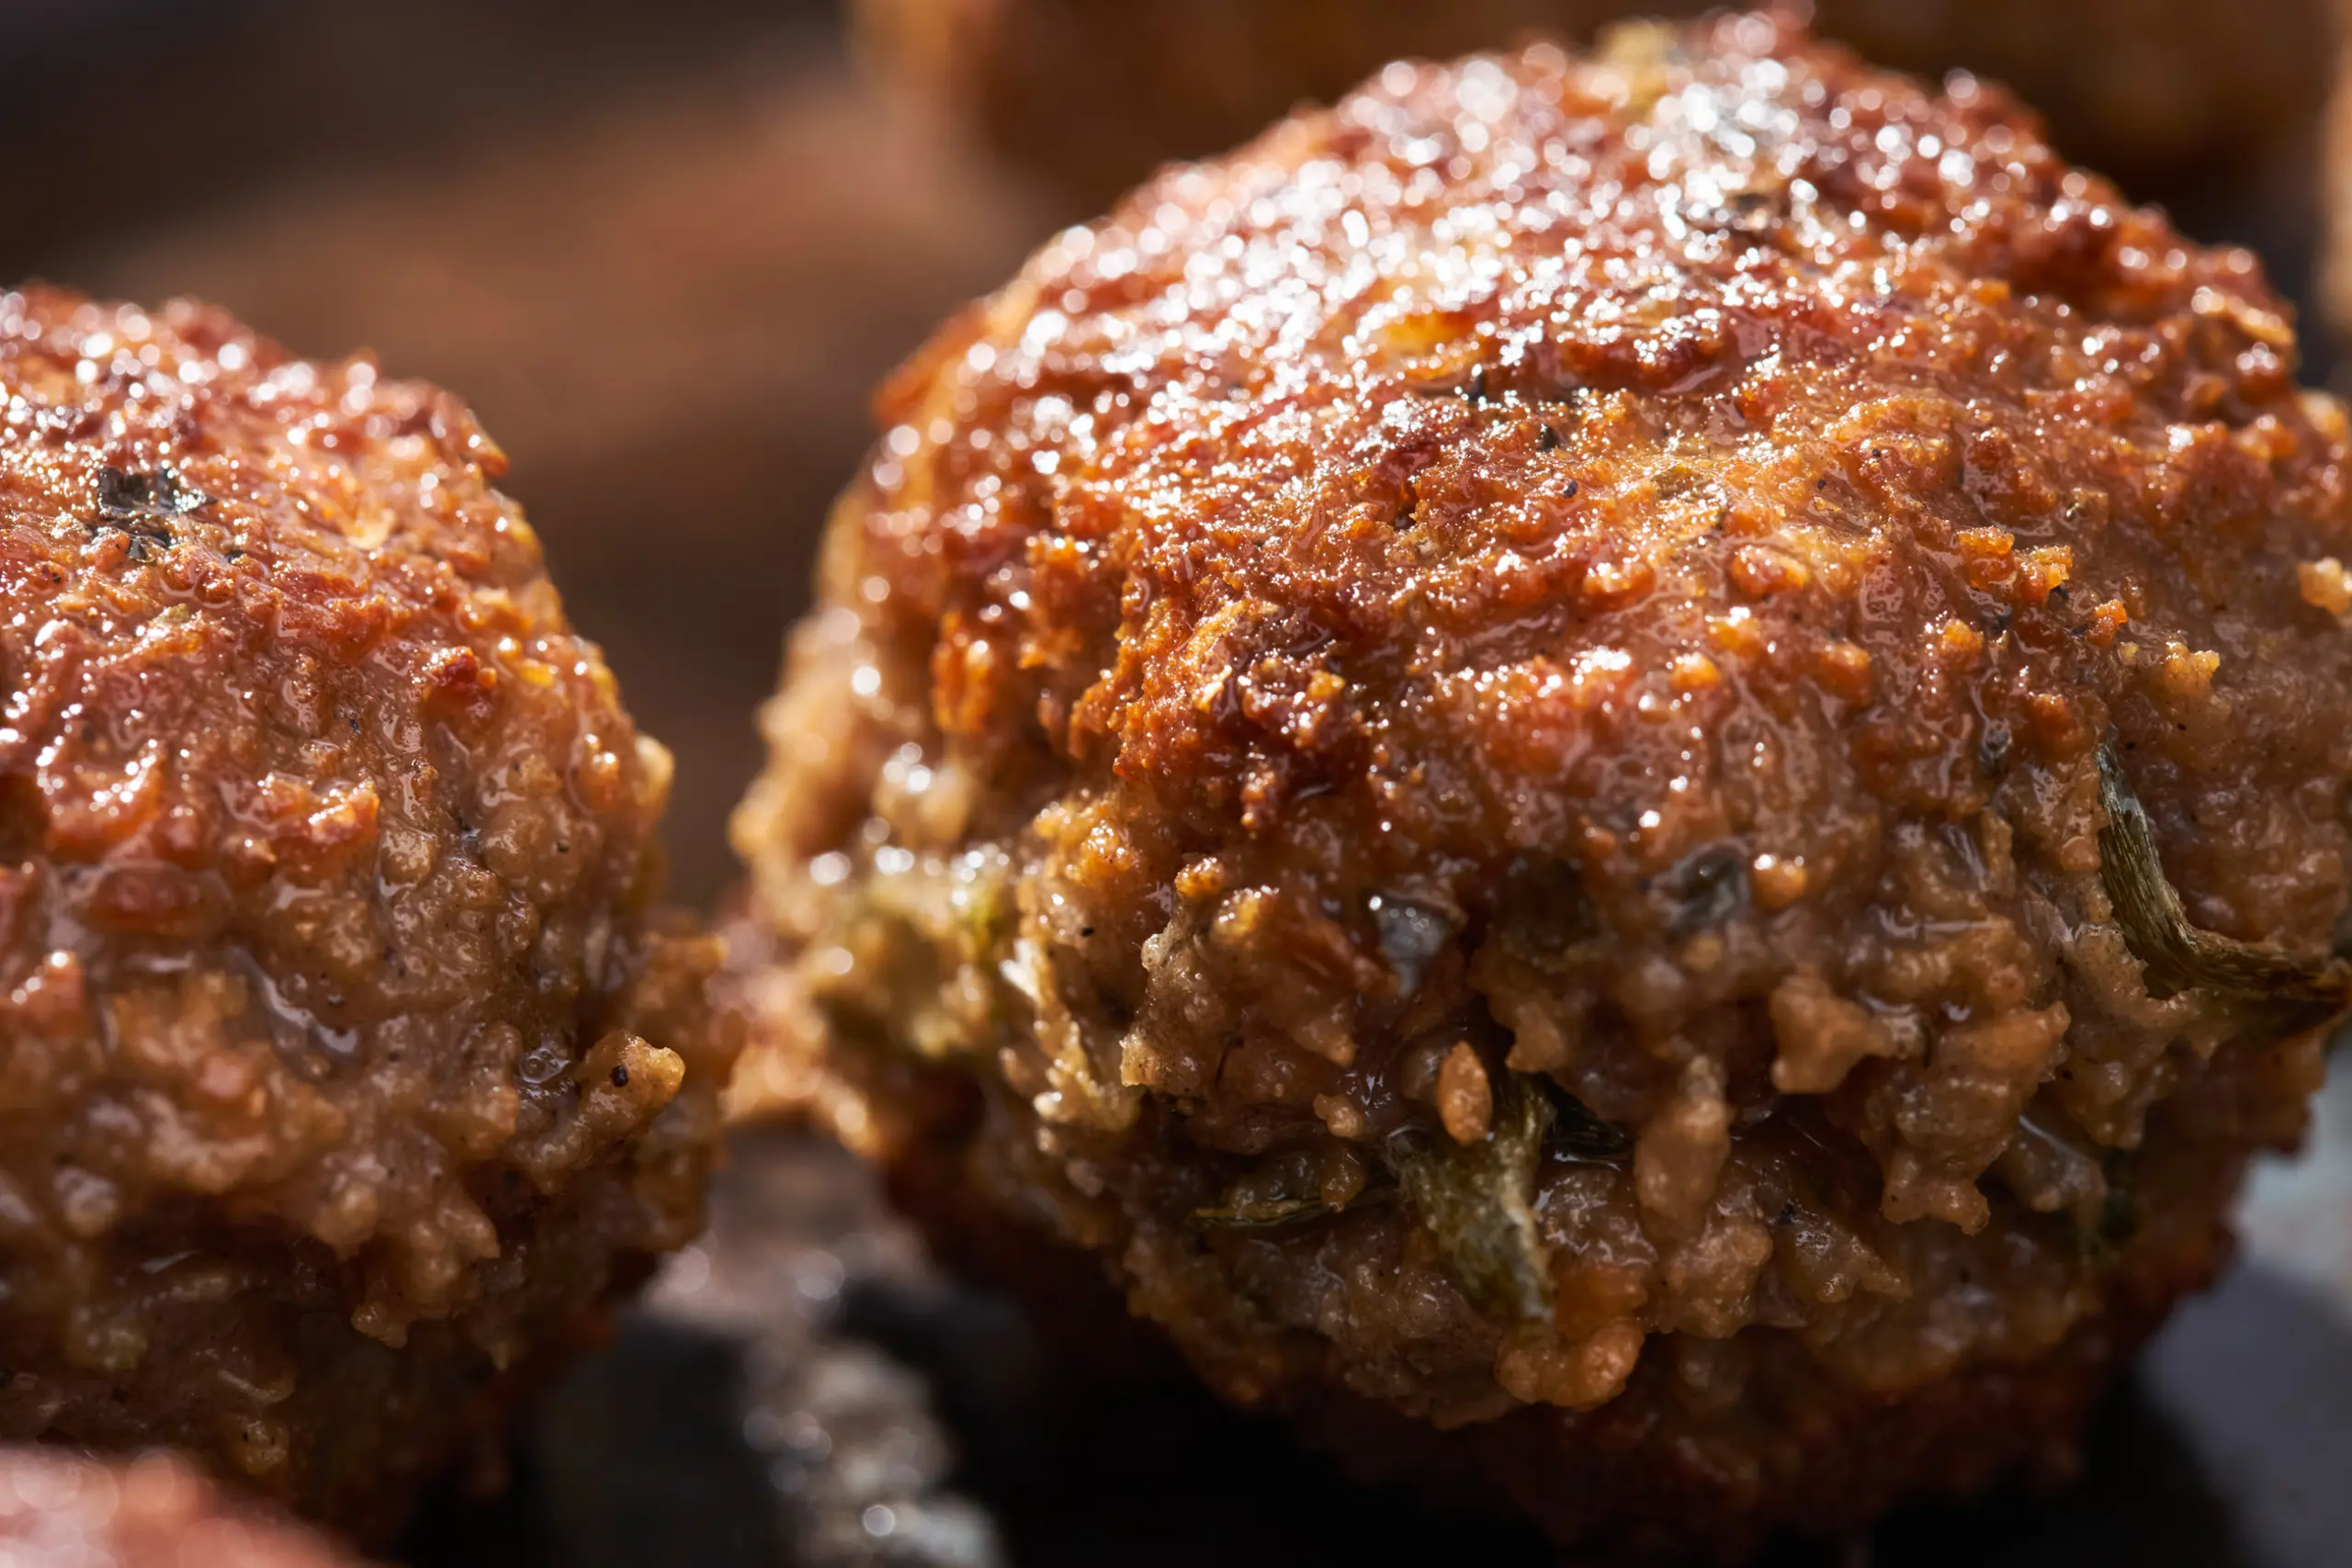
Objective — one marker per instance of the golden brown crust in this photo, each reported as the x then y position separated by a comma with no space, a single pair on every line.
58,1510
1607,574
338,1041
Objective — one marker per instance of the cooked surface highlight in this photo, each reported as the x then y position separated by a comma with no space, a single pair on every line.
58,1510
1470,743
346,1069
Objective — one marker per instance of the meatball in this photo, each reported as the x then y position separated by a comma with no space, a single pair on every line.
1627,772
349,1065
2180,99
58,1510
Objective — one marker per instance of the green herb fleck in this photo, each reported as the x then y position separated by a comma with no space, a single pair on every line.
1578,1133
1271,1215
1242,1210
2156,927
1479,1200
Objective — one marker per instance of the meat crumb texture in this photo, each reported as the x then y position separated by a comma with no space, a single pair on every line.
347,1067
1626,771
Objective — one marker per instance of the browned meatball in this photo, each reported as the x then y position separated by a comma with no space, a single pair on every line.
2175,97
343,1070
1526,750
58,1510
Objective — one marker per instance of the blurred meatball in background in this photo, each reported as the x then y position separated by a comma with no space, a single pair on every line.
2212,109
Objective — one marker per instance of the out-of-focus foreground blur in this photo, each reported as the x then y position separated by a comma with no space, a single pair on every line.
667,251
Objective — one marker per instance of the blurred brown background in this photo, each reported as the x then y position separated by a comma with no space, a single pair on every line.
667,251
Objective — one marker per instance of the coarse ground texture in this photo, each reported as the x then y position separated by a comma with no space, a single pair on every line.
344,1068
1469,744
2171,97
58,1510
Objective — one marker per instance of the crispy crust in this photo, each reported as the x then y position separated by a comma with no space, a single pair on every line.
344,1070
1608,572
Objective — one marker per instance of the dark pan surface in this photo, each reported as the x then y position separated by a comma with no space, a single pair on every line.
803,1388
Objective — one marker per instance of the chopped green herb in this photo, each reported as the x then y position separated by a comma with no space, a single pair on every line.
1272,1215
2156,927
1479,1201
1578,1133
1240,1211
